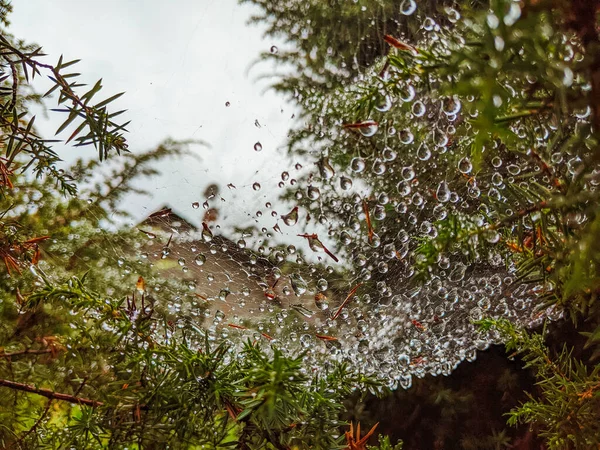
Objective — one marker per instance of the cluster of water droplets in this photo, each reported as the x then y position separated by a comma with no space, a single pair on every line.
356,268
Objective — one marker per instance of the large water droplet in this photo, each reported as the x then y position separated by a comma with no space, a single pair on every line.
325,169
321,301
451,105
443,192
357,164
385,103
419,109
345,183
313,193
298,284
369,129
322,284
406,137
465,165
207,235
424,153
407,7
408,173
291,218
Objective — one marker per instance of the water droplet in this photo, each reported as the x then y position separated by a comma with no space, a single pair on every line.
378,167
406,137
451,105
404,188
388,154
227,104
514,12
258,147
306,340
274,49
321,301
385,103
429,24
195,205
363,346
369,128
357,164
313,193
452,14
200,259
291,218
465,165
407,93
513,169
345,183
407,7
492,21
443,192
256,186
424,153
325,169
492,236
298,284
322,284
207,235
419,109
408,173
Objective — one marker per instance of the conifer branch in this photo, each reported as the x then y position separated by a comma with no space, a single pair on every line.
28,351
50,394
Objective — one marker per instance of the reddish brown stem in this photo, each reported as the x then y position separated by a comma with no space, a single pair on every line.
49,394
345,302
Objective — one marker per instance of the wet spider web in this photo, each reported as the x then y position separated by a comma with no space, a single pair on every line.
320,252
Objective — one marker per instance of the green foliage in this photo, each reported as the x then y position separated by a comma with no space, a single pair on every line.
384,444
566,410
23,147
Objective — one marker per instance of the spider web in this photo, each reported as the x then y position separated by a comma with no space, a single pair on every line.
338,281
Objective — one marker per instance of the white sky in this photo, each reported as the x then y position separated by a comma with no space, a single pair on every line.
179,63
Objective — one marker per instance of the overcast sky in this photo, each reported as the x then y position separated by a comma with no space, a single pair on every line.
179,63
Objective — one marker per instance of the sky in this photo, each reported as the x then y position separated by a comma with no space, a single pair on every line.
179,64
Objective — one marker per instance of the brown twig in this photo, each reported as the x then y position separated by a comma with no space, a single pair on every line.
345,302
28,351
49,394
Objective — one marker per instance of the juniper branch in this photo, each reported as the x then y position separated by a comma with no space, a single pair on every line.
49,393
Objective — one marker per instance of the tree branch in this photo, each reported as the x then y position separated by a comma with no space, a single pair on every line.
49,394
28,351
